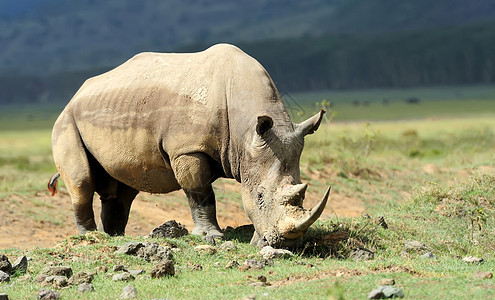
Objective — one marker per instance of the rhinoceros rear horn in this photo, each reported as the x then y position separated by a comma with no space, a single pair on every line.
313,214
310,125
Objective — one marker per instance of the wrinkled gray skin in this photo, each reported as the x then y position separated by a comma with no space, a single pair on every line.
163,122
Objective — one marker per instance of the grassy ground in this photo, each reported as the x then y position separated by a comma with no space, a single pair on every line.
432,180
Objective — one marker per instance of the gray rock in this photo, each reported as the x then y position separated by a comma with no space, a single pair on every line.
119,268
228,246
20,265
4,296
129,292
4,277
473,260
232,264
85,288
428,255
383,292
361,254
206,249
130,248
5,264
255,264
153,252
54,271
169,229
386,281
269,252
258,283
56,281
164,268
392,292
136,272
414,247
124,276
47,294
81,277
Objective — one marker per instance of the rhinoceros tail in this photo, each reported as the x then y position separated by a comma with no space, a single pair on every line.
52,184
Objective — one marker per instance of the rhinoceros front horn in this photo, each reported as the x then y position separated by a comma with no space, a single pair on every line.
313,214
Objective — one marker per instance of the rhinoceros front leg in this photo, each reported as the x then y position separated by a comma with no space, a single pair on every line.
203,211
193,173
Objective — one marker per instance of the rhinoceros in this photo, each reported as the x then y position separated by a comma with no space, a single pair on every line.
161,122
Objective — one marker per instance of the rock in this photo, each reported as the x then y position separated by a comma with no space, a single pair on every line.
386,281
129,292
85,288
228,246
258,283
47,294
20,265
482,275
54,271
124,276
254,264
169,229
206,249
269,252
249,297
212,239
4,296
130,248
153,252
262,278
81,277
361,254
392,292
196,267
414,247
56,281
101,270
428,255
119,268
4,277
384,292
165,268
473,260
5,264
136,272
232,264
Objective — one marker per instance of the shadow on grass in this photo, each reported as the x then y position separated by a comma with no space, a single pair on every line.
336,239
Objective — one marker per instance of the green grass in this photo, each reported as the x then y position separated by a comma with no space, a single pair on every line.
432,180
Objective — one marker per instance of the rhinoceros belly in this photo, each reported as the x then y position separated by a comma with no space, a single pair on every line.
130,155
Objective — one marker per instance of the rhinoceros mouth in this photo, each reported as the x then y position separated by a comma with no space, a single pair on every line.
294,224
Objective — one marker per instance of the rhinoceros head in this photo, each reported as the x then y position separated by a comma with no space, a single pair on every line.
272,191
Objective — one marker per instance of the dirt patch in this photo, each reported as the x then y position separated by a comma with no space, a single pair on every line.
39,220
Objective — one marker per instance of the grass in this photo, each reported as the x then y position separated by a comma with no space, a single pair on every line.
432,180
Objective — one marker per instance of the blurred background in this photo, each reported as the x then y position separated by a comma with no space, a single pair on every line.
392,50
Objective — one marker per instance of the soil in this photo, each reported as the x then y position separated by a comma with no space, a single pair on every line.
40,220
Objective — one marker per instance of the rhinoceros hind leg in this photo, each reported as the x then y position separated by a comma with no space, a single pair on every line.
115,210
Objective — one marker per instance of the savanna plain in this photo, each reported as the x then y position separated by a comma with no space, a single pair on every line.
420,170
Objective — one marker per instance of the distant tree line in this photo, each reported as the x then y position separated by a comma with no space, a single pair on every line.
449,56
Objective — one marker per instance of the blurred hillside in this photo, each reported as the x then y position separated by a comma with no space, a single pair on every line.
49,47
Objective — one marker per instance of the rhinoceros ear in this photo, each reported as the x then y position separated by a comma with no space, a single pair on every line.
264,124
310,125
